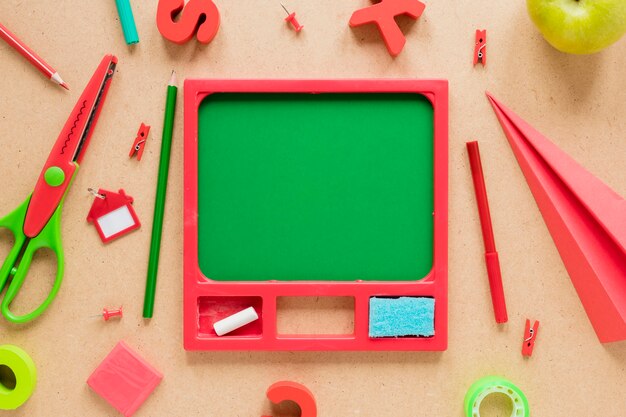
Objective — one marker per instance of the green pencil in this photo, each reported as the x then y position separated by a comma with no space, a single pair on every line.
159,205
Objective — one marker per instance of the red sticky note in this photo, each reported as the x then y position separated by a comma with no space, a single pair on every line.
124,379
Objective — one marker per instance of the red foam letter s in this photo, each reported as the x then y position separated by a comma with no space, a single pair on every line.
198,15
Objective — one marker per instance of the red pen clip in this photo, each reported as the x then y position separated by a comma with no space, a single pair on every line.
480,50
140,142
530,335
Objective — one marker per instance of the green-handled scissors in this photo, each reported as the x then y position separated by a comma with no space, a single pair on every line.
35,224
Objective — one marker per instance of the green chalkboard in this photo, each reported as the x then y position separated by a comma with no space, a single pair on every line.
324,187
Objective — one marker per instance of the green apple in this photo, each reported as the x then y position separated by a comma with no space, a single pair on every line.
579,26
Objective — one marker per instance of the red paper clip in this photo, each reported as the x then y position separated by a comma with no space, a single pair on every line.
530,335
140,142
480,50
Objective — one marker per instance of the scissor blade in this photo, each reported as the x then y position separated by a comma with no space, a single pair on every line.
94,113
57,173
78,128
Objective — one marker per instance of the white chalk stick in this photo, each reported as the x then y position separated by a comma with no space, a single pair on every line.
235,321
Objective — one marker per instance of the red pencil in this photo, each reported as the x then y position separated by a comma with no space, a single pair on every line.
491,256
29,54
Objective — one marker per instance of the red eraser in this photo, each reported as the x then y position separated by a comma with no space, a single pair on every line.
124,379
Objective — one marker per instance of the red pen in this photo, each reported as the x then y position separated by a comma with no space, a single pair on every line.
491,256
31,56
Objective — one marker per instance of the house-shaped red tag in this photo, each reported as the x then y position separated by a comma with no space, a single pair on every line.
113,215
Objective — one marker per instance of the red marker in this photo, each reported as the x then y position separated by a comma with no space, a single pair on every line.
32,57
491,256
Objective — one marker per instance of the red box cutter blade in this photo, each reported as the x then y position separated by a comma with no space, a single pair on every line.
66,155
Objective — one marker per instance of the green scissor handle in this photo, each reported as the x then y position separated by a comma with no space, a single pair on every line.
49,237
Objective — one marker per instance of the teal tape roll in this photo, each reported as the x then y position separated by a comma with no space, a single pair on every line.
23,369
491,385
128,21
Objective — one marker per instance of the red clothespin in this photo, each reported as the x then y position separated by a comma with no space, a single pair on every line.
480,50
291,18
530,335
140,142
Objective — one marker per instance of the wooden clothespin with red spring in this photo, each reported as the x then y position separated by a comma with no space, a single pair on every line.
140,142
530,336
480,50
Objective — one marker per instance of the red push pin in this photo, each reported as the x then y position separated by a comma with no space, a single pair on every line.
107,314
291,18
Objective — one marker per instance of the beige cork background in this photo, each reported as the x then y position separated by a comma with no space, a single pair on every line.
577,101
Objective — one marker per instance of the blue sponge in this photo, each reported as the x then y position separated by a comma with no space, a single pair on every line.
403,316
